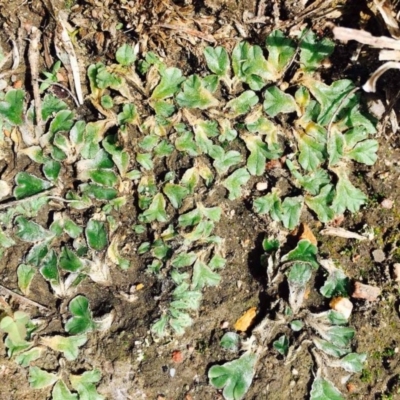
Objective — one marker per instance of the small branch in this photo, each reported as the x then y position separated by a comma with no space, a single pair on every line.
16,57
389,55
364,37
191,32
33,57
60,199
64,88
23,299
343,233
69,48
370,85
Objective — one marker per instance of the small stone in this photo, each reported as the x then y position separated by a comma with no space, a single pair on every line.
387,203
172,372
342,305
378,255
366,292
5,189
177,356
351,387
161,397
377,108
225,324
261,186
295,372
239,284
396,272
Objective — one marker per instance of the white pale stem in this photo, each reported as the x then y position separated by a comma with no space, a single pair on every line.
370,85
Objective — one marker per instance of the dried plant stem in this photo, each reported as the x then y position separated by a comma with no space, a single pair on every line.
68,47
13,203
23,299
33,57
364,37
64,88
192,32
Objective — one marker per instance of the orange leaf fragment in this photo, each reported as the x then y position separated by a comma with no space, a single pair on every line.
306,233
244,322
177,356
18,84
351,387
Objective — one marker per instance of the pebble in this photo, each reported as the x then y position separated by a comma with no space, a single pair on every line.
177,356
261,186
190,349
5,189
378,255
396,272
387,203
225,324
342,305
366,292
172,372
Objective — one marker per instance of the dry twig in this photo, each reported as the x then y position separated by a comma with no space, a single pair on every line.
343,233
33,57
192,32
23,299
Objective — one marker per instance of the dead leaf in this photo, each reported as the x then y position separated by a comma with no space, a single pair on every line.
245,321
303,232
275,163
306,233
387,13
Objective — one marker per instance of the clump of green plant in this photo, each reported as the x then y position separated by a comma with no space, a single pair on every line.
326,334
26,346
222,127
